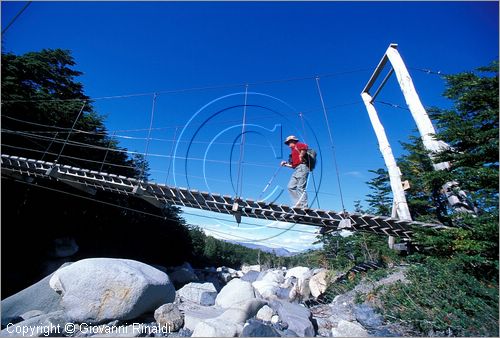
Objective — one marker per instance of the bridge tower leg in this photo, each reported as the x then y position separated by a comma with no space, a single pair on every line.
456,198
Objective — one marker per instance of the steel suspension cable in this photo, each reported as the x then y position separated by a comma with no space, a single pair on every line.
312,172
69,134
149,136
331,143
239,181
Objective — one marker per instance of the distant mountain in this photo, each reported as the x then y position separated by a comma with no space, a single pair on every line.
281,252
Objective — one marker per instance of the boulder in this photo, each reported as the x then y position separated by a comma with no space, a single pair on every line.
265,314
349,329
96,290
50,324
318,283
367,316
182,275
234,292
64,247
266,289
216,328
257,329
250,276
230,322
296,316
168,315
203,294
31,314
300,272
240,312
195,314
246,268
38,296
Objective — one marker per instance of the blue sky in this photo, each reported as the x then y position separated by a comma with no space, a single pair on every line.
129,50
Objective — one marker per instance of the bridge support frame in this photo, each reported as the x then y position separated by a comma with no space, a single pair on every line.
425,128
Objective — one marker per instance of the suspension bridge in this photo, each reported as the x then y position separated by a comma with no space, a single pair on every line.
400,224
161,195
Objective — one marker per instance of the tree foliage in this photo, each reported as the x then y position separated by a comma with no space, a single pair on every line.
41,100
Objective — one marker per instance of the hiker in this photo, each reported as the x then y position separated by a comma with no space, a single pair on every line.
298,181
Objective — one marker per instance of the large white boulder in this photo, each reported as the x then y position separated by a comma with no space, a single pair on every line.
318,283
96,290
234,292
200,293
300,272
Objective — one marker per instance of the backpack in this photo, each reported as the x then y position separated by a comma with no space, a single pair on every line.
310,159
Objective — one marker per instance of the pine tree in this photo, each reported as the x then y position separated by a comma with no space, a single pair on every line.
379,200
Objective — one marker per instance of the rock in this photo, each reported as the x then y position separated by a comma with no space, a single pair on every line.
300,289
290,333
64,247
257,329
195,313
182,275
168,315
96,290
296,316
349,329
38,296
367,316
51,324
250,276
31,314
300,272
246,268
275,319
203,294
216,328
240,312
318,283
266,289
234,292
265,314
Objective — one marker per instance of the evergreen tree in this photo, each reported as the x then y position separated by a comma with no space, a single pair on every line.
379,200
41,100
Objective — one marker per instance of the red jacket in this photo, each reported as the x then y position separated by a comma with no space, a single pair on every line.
296,153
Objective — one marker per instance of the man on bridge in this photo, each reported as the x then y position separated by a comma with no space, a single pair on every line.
298,181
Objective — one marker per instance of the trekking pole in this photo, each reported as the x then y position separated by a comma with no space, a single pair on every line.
269,183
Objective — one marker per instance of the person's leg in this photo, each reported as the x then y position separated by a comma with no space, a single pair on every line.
292,189
301,174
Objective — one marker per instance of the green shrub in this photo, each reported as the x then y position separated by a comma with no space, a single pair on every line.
442,299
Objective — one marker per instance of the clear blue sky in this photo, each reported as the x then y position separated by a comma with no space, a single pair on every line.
128,48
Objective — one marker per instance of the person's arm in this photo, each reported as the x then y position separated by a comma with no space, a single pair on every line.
286,164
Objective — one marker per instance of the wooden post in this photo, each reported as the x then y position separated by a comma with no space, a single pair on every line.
400,204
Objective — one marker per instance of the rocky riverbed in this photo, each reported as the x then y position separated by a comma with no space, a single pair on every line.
122,298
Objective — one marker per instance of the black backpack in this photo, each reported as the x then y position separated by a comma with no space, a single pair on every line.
310,159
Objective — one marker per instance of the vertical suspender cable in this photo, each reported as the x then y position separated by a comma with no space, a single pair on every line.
312,172
50,145
171,154
107,150
71,130
239,181
331,143
155,95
